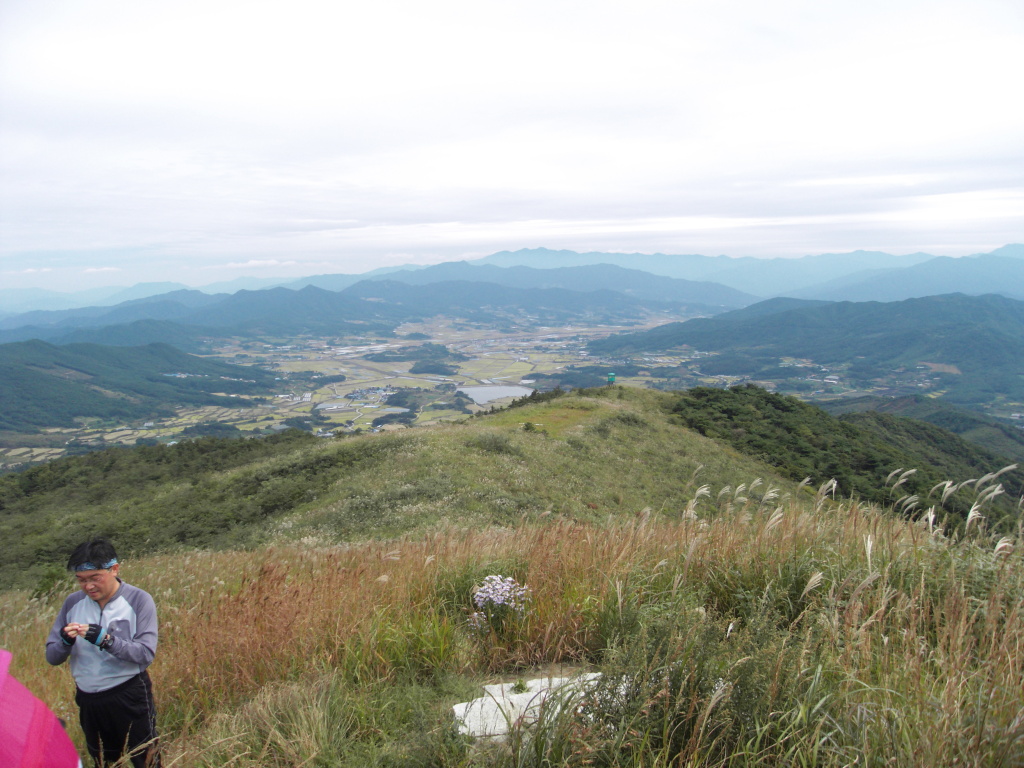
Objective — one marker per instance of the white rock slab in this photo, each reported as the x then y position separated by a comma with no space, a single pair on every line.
501,708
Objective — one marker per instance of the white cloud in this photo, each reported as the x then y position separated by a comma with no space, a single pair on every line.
232,136
28,271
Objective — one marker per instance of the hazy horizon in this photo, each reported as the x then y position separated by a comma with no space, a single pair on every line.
244,277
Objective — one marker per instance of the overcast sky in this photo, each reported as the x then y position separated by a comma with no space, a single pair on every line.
198,141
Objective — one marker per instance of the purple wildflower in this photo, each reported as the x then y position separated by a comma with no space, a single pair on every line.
499,600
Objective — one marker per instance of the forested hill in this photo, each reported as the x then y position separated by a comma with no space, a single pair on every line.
42,385
579,456
980,429
369,307
981,337
490,303
858,450
955,326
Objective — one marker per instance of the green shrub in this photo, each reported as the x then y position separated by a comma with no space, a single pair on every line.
494,442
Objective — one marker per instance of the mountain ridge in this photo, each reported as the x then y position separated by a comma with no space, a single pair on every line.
632,282
312,307
831,276
748,274
982,337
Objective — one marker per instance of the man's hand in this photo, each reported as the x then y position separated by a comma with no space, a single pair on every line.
76,630
94,633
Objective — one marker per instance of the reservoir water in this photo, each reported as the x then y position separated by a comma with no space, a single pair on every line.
483,395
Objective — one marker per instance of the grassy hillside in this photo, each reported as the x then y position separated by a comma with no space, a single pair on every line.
580,457
802,632
316,595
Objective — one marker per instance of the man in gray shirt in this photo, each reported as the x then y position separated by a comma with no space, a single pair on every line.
109,631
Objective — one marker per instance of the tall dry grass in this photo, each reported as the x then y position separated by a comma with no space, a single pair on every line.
805,631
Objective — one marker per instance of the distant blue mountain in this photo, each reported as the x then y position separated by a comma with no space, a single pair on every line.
857,276
759,277
313,305
369,306
972,275
854,276
167,306
245,284
21,300
339,282
143,291
634,283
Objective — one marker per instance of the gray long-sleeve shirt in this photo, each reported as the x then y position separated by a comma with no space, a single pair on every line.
129,616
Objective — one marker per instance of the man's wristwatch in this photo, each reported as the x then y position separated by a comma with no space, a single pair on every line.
106,642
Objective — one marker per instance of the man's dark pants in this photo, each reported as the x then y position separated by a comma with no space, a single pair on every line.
120,720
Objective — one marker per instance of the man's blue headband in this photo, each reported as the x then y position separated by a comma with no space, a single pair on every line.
94,567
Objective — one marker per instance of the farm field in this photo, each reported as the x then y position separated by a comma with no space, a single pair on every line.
333,387
300,398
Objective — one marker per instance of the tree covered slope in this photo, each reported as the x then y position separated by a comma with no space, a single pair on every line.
858,450
42,385
983,430
981,337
